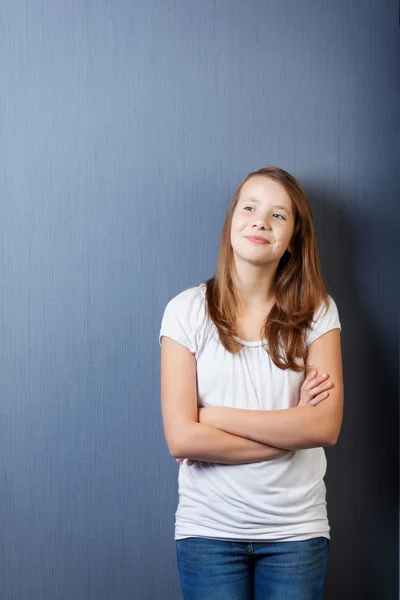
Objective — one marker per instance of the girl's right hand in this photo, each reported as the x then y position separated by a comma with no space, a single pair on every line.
189,461
314,389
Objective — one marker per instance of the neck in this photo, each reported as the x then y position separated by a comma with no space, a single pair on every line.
255,283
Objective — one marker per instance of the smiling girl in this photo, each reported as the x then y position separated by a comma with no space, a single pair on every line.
251,392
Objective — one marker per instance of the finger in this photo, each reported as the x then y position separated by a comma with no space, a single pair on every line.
312,374
322,377
309,378
311,385
189,461
322,387
319,398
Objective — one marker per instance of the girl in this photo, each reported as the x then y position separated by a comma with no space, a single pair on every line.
247,399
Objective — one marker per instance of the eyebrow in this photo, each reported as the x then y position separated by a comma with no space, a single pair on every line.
258,202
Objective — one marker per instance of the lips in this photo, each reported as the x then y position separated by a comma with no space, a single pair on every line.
255,239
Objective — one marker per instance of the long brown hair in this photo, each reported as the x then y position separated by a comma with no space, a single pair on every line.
298,286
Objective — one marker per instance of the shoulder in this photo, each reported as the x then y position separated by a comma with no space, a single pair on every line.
184,315
188,302
326,317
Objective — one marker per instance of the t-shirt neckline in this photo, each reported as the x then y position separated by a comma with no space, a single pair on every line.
252,343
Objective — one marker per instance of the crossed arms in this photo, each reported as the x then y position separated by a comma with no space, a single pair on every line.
238,436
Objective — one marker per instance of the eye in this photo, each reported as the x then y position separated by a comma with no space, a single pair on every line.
278,215
250,207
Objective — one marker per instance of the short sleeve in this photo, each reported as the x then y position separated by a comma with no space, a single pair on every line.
182,317
324,320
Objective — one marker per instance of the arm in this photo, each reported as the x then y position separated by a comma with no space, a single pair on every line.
185,436
293,428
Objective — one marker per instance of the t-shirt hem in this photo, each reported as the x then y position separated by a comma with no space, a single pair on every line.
263,536
321,333
289,538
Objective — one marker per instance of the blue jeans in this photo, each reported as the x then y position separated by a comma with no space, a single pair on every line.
224,570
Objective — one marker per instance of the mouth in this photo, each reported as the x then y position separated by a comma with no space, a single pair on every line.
254,239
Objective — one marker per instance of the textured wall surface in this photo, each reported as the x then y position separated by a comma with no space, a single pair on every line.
124,128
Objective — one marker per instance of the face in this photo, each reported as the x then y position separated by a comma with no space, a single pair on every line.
263,222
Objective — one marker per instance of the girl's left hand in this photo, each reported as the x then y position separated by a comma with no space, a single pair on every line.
189,461
314,389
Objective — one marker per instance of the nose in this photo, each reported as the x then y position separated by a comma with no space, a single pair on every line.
262,224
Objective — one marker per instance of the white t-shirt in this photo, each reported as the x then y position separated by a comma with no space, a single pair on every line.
276,500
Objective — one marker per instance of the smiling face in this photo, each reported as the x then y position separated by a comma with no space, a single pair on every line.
262,222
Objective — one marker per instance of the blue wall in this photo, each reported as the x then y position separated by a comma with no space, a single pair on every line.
125,127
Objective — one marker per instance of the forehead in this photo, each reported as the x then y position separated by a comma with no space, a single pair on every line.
263,189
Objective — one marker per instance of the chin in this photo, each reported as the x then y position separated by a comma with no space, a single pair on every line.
252,259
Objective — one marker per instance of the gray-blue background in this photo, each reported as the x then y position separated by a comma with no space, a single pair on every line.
124,128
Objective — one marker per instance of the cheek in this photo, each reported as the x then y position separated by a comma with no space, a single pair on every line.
238,223
285,239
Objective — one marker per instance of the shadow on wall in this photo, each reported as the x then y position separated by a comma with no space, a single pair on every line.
362,475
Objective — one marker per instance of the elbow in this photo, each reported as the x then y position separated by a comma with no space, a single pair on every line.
178,444
175,448
177,452
328,430
330,438
321,438
330,442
